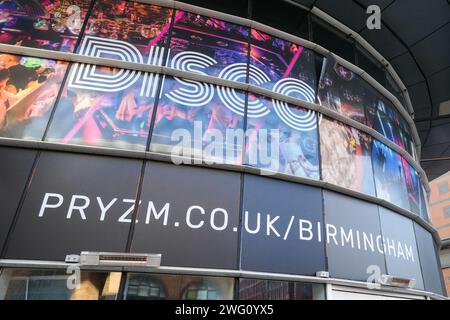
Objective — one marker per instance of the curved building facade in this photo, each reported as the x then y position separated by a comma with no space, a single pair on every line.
260,163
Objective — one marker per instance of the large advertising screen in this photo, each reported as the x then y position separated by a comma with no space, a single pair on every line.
28,90
209,46
343,91
384,118
346,156
282,66
283,139
75,203
15,168
128,24
44,24
190,215
202,125
94,112
389,175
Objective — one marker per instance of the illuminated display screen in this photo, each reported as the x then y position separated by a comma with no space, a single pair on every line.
28,90
208,46
346,156
289,147
198,127
95,114
389,175
143,26
386,120
45,24
343,91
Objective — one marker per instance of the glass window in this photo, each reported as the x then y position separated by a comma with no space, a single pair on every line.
28,90
282,137
344,91
389,175
200,120
102,106
209,46
330,39
447,212
443,187
255,289
51,25
282,66
178,287
371,66
142,30
27,284
346,156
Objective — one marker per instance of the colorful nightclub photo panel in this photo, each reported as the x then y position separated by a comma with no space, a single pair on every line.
28,90
106,107
346,156
385,119
131,27
282,66
209,46
284,139
44,24
197,126
413,186
389,175
344,91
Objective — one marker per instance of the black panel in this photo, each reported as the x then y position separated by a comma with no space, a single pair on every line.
347,12
432,53
413,20
15,167
282,15
234,7
429,260
402,258
363,220
281,249
189,239
46,233
328,38
407,69
384,42
420,100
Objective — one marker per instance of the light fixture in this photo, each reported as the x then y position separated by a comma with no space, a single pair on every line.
113,259
322,274
395,281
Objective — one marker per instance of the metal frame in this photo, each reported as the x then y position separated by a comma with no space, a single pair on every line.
328,282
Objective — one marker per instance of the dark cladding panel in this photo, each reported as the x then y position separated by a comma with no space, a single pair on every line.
353,260
428,260
272,213
402,258
15,167
62,212
189,215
